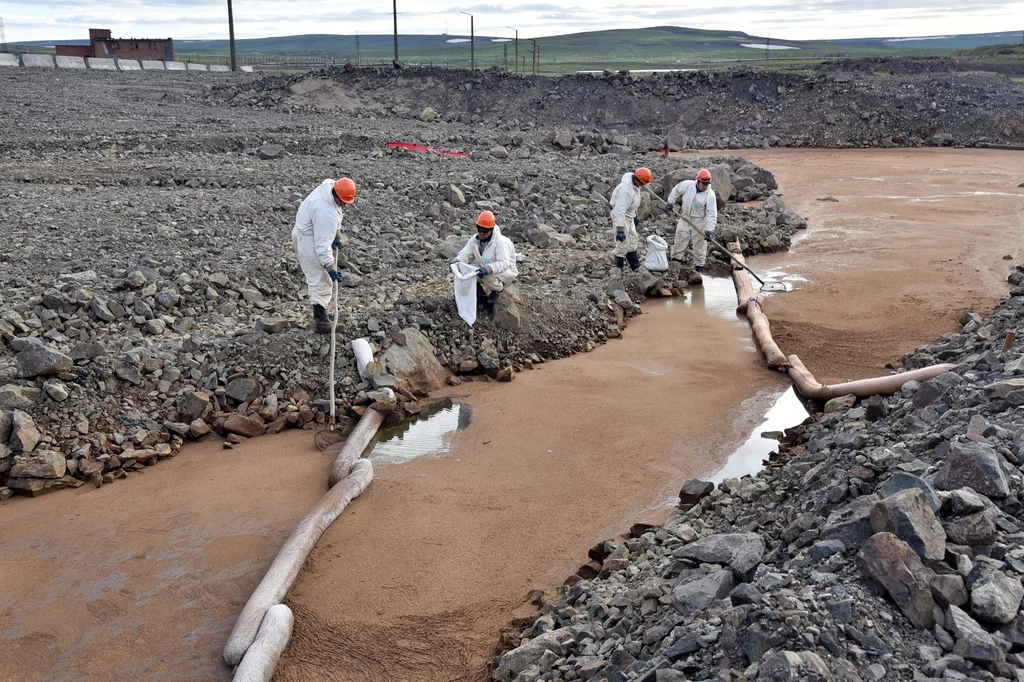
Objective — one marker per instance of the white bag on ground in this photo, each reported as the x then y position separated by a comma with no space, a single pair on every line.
465,291
657,254
364,354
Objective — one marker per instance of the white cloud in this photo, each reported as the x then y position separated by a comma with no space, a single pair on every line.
783,19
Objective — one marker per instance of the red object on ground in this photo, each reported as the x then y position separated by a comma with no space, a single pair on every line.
423,149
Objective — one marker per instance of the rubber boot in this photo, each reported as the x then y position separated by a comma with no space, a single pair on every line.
322,325
620,263
634,261
491,301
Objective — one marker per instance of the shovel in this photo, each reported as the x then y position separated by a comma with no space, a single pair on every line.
765,286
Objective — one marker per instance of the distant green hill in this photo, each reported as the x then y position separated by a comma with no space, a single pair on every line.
657,47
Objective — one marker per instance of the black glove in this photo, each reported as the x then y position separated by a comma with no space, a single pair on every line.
334,274
336,244
482,272
620,236
707,237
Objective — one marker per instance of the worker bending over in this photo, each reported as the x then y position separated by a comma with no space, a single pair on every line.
694,200
625,203
315,236
495,258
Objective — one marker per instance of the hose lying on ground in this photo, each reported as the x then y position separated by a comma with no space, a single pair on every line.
750,305
285,569
355,444
261,659
864,388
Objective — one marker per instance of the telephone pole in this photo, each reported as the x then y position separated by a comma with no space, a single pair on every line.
394,11
534,61
231,35
472,42
516,63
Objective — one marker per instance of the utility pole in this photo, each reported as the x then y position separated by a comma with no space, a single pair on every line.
394,11
231,35
767,46
516,63
357,48
472,42
533,63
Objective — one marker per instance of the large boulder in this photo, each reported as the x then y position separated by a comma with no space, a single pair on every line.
976,466
24,434
676,140
996,597
898,568
794,666
13,397
37,360
696,594
721,182
907,515
193,405
39,464
740,551
413,361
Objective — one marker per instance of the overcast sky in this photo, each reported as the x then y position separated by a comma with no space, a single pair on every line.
792,19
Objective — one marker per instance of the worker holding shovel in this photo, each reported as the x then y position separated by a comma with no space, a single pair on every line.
315,237
625,203
694,201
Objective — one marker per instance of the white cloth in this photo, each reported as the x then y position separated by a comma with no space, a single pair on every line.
657,254
701,209
316,224
465,290
625,203
497,256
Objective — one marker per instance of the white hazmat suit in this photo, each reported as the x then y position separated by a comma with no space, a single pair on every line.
497,256
625,203
701,209
316,225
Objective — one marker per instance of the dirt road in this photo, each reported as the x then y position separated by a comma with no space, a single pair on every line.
143,581
915,239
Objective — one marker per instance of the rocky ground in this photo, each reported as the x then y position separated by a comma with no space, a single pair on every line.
882,541
887,106
149,294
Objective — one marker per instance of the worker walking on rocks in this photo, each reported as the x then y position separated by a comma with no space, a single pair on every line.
315,236
694,201
495,258
625,203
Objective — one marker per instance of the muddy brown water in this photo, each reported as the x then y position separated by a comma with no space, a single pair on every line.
143,579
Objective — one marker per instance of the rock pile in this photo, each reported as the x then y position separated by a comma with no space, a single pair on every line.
882,541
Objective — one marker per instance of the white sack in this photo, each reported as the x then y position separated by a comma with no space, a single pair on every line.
657,254
465,291
364,355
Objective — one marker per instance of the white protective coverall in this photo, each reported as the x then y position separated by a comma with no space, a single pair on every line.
316,225
701,209
625,203
498,256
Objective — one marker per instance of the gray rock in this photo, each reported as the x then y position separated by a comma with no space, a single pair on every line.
24,434
272,325
949,589
966,501
193,405
973,529
413,361
270,151
676,141
696,594
57,390
6,421
793,666
840,403
563,139
896,566
972,641
455,197
244,426
996,597
740,551
242,389
507,315
904,481
694,490
907,515
976,466
519,659
13,397
851,524
38,360
428,115
39,464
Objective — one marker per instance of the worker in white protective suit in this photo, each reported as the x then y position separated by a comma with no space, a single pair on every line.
315,236
695,201
625,203
495,258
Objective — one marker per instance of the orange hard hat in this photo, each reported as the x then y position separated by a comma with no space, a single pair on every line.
643,175
704,175
345,189
486,220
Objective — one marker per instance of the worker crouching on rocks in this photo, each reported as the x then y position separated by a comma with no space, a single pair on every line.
315,237
625,203
694,201
495,258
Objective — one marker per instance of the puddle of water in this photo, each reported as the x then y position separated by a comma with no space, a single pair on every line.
429,433
786,413
717,298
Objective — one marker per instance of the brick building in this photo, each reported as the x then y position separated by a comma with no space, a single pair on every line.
103,46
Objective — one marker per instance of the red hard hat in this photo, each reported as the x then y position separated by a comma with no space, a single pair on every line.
704,175
643,175
346,190
486,220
